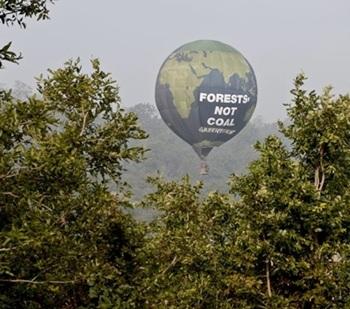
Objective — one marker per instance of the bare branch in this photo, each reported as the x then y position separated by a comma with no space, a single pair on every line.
37,282
7,249
84,124
173,262
317,177
10,194
269,293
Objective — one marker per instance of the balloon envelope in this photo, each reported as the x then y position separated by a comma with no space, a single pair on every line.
206,92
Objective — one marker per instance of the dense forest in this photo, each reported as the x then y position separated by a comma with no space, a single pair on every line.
178,158
276,236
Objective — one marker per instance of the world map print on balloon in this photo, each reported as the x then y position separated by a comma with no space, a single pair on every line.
206,92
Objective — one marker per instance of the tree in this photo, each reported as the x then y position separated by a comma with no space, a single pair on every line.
280,239
65,239
190,260
294,206
15,12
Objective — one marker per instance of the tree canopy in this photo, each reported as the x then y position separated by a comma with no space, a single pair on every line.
278,239
65,239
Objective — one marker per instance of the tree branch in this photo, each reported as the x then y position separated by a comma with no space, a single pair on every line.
7,249
173,262
317,177
37,282
269,293
10,194
320,176
84,124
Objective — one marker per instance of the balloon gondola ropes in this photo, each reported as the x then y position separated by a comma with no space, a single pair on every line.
206,92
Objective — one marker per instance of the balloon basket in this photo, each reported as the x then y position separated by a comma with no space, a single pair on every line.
204,168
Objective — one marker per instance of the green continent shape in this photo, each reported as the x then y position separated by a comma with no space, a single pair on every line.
184,71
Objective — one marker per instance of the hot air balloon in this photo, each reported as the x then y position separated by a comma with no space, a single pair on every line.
206,92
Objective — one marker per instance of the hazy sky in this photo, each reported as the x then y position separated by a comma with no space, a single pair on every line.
132,39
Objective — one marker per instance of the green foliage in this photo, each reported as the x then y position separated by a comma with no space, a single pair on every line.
8,55
320,136
189,258
65,238
15,12
280,239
